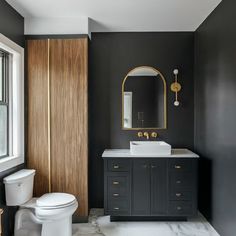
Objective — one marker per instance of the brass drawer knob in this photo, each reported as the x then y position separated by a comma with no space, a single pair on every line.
116,166
178,194
116,194
177,167
116,208
178,182
116,182
179,208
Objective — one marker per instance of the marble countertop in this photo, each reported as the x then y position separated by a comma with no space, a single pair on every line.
175,153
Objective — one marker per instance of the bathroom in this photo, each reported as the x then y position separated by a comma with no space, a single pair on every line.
197,39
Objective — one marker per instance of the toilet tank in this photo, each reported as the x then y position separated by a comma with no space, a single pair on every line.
19,187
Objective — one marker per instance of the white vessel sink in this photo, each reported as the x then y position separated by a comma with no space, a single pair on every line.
149,148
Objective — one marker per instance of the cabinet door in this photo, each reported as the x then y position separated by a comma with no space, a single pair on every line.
68,119
38,151
158,187
141,188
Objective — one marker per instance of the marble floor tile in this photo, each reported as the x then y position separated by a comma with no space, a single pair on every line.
100,225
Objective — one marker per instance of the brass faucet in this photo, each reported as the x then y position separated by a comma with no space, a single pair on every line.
146,134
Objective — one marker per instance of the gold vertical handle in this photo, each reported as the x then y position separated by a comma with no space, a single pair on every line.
49,121
1,212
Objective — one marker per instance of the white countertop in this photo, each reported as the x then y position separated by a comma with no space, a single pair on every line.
176,153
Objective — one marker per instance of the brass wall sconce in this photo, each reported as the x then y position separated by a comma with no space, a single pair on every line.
176,87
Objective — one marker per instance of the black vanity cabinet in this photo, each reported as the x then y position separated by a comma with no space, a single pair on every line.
150,187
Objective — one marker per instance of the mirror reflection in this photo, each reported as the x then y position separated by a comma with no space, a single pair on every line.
144,99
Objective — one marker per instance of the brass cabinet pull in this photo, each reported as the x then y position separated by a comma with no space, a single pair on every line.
178,194
116,166
1,212
153,166
116,182
178,182
179,208
177,167
116,194
116,208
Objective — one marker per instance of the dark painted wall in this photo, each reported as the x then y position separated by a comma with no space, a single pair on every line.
12,26
111,57
11,23
215,115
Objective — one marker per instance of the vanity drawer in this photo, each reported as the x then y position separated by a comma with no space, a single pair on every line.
118,185
118,206
118,165
179,165
180,195
180,208
181,180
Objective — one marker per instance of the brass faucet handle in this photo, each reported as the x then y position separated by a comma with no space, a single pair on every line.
146,134
140,134
154,134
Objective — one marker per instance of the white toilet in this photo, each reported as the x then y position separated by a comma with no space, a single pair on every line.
48,215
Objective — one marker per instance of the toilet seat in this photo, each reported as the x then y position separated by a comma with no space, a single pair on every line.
55,200
51,201
52,206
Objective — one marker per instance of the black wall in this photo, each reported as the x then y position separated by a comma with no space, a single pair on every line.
215,115
12,26
11,23
111,57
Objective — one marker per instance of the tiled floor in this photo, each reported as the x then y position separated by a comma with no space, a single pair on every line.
100,225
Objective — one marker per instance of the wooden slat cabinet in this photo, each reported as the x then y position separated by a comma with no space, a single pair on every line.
57,144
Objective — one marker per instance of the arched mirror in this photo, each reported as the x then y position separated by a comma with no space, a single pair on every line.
144,99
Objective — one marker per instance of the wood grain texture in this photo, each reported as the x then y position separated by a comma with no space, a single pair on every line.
37,131
69,119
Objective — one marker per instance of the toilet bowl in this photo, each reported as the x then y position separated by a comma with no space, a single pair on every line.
51,214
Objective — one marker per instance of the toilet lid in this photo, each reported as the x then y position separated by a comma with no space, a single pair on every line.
53,200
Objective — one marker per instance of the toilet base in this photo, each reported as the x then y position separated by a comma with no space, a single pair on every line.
27,224
61,227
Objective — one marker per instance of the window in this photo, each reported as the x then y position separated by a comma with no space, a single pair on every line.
11,104
4,105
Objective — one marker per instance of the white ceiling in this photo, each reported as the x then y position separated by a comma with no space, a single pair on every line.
123,15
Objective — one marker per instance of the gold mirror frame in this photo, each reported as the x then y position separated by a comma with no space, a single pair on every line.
165,103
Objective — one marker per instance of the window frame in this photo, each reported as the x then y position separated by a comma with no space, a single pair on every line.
5,93
16,152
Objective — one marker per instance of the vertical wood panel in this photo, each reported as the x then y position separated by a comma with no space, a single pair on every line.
37,142
69,118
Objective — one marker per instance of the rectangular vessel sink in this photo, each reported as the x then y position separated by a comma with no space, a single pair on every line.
149,148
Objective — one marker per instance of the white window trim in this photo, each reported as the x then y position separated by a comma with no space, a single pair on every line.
16,125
